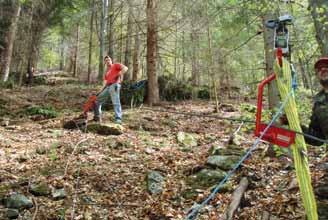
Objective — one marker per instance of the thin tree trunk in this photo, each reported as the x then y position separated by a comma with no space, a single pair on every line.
91,4
153,93
211,63
127,75
194,64
176,45
76,54
111,29
121,37
136,52
305,77
10,38
101,41
62,58
183,71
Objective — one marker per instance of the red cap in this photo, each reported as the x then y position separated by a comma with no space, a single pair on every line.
323,61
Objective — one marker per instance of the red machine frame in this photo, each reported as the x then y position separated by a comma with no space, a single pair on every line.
274,135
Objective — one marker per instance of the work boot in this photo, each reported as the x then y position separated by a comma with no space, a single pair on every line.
118,121
97,119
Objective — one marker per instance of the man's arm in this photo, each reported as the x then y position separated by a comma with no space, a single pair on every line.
124,69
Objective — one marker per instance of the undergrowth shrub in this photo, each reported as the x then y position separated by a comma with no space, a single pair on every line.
47,111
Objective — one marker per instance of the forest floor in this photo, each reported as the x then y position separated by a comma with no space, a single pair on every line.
105,176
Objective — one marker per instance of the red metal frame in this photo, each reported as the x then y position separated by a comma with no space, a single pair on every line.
274,135
89,104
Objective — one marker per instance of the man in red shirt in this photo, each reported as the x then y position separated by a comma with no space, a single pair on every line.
111,87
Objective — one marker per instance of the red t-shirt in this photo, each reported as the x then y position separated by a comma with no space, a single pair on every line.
112,75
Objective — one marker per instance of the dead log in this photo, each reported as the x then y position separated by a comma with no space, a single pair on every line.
236,198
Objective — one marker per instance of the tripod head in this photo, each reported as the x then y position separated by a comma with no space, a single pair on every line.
281,33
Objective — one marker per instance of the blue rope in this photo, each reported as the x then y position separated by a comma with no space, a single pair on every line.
294,79
193,212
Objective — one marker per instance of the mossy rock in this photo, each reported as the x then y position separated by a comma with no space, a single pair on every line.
226,162
229,150
105,129
40,189
18,201
187,140
205,178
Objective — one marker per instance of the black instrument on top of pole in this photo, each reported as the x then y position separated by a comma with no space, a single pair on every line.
281,33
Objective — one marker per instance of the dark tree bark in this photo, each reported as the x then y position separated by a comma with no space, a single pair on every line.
269,61
111,29
136,52
319,12
62,57
76,51
153,93
101,40
9,43
91,4
127,58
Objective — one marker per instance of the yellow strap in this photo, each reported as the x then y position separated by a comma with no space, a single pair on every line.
284,82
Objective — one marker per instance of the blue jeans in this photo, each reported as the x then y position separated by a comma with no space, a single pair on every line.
112,91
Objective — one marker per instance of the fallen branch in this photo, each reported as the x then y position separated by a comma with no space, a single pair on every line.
111,205
36,209
73,152
236,198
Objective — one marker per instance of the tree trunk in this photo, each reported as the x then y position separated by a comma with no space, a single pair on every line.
305,77
269,60
62,58
136,52
211,62
91,4
194,63
111,29
184,59
8,49
153,93
127,75
101,40
76,54
319,12
121,34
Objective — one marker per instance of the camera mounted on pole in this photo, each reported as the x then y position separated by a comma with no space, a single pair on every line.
281,33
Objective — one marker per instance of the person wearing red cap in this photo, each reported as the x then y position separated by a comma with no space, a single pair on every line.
318,126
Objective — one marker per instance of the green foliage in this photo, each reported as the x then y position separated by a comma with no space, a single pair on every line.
204,93
248,112
48,111
280,151
304,105
53,151
171,89
133,96
49,58
53,154
40,80
9,84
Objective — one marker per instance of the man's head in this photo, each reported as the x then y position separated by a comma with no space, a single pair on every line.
321,69
108,61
